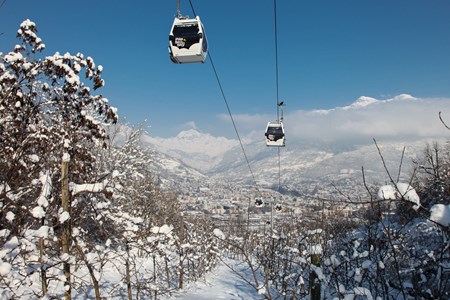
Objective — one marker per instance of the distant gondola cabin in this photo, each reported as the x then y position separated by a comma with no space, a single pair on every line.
274,134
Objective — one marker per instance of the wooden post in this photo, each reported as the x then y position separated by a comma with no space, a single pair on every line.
42,262
316,257
154,275
181,266
167,271
65,236
248,214
314,282
128,272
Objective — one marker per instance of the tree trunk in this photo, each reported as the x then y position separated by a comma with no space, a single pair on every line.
181,267
313,280
154,275
167,273
127,270
65,235
181,271
91,271
43,271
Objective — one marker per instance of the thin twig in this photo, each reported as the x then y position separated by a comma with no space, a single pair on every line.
367,188
401,163
442,121
384,163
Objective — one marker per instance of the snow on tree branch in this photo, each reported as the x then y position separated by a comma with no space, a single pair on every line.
400,191
440,214
97,187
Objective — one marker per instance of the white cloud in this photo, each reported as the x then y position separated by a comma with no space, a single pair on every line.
400,117
188,125
244,119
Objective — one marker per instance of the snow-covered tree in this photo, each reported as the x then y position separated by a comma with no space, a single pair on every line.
48,110
140,225
433,175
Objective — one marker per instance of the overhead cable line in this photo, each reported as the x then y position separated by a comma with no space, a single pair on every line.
232,119
228,108
192,7
276,56
277,86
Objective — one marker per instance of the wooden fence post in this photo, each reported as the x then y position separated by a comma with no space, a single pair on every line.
65,236
181,250
313,279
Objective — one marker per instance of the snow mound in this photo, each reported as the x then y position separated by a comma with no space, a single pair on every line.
10,216
400,191
219,234
165,229
440,213
38,212
5,268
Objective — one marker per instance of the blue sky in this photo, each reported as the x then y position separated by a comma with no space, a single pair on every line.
330,53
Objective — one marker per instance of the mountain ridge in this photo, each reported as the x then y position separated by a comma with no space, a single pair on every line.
302,167
323,147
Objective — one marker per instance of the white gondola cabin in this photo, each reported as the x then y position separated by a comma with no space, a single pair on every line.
187,41
275,135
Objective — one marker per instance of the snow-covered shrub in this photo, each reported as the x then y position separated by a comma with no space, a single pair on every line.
432,178
47,109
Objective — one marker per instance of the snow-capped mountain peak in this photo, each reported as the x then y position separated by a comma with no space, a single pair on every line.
199,150
403,97
362,101
191,134
365,101
193,141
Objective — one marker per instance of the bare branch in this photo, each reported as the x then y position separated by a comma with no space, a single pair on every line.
400,165
384,163
442,121
367,187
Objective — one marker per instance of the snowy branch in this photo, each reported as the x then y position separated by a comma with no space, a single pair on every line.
97,187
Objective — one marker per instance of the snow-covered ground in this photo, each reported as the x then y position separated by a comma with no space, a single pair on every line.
221,283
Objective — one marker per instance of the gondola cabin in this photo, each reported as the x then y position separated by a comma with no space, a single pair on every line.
275,135
187,41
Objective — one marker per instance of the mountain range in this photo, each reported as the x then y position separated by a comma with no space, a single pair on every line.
195,159
192,160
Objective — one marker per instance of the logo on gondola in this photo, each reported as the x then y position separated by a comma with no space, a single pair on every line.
272,137
180,42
